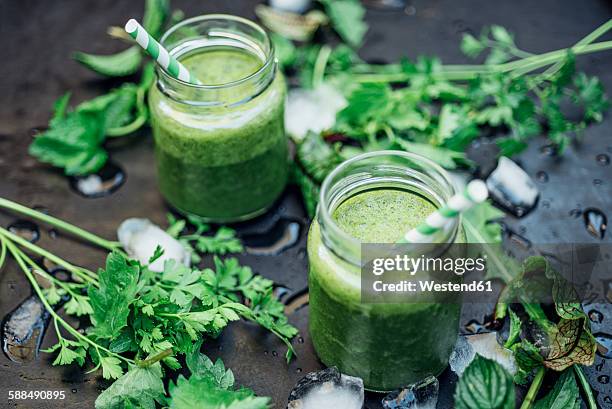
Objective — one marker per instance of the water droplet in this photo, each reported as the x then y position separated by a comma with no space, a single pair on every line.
600,365
300,340
603,159
607,399
604,344
298,370
281,293
596,316
53,233
410,10
604,379
549,150
542,176
25,229
274,353
23,330
575,213
265,352
73,390
596,222
597,182
102,183
474,327
284,234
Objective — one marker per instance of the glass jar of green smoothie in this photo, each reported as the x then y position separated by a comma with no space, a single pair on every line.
375,198
220,147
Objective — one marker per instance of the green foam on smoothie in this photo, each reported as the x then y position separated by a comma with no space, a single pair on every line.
382,215
219,66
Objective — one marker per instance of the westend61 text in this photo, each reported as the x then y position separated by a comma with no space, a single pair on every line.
433,286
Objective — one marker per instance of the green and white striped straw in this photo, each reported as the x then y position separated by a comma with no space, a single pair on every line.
159,53
475,192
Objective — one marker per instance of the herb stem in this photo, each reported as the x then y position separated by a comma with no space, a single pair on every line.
320,64
586,387
533,389
516,68
53,221
83,273
15,252
155,358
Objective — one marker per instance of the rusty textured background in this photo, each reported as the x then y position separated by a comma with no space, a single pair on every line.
37,38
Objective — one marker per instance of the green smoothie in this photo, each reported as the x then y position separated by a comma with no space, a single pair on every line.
226,160
387,345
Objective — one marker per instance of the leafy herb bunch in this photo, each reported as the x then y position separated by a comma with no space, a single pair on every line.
141,318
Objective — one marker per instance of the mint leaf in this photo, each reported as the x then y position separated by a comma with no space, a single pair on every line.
347,19
139,388
111,301
121,64
564,395
485,385
155,15
73,143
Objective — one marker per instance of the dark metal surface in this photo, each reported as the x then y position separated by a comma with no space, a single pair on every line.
37,37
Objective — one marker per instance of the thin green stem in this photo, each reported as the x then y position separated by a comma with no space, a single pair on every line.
60,224
155,358
15,252
83,273
586,387
320,64
516,68
2,253
41,272
533,389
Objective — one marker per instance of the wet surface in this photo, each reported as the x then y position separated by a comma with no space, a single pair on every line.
257,358
25,229
23,330
102,183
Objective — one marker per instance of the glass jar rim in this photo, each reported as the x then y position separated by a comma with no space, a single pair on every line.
326,219
269,60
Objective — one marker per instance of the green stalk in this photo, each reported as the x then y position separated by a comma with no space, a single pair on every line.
320,64
533,389
517,68
15,252
155,358
83,273
586,387
2,253
60,224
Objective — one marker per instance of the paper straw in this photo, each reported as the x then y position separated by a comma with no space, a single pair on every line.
159,53
475,192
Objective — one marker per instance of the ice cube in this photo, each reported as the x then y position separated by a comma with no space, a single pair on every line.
140,237
420,395
327,389
293,6
312,110
461,356
485,345
511,187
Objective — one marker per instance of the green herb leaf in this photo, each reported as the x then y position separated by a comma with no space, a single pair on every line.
155,15
111,301
121,64
138,388
564,395
347,19
204,394
202,367
485,385
471,46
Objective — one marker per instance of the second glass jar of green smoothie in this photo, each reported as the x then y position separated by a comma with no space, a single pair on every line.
376,198
220,147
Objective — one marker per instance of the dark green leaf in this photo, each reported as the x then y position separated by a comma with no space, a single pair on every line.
202,393
564,395
347,19
485,385
122,64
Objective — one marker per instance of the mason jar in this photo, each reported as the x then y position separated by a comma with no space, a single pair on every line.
376,198
220,148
